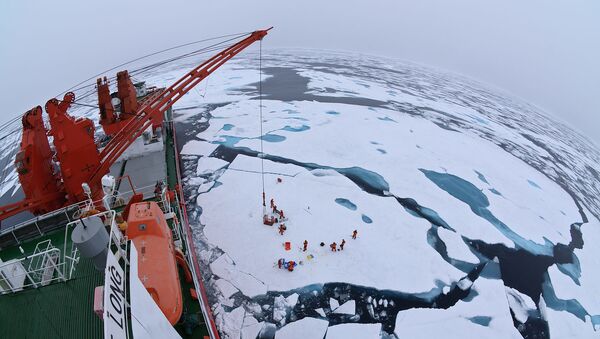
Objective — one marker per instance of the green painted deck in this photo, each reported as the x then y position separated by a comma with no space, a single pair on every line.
65,309
59,310
170,151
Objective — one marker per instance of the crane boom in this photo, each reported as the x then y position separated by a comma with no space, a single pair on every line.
149,114
157,105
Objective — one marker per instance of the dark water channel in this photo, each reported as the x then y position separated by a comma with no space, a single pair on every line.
523,268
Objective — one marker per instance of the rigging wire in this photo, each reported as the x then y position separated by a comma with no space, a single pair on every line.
10,133
204,50
77,87
214,47
10,122
141,70
80,104
152,54
262,155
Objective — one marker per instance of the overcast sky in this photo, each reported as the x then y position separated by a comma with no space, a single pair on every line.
545,52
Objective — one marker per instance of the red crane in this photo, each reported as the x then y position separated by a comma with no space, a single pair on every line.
127,98
33,162
80,161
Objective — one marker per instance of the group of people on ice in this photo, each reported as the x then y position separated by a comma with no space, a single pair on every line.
334,245
291,264
277,217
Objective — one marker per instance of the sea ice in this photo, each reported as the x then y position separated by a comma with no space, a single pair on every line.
349,307
196,147
305,328
362,331
207,165
520,304
234,224
488,301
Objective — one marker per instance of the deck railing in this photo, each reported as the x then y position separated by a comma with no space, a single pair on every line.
37,270
47,264
70,212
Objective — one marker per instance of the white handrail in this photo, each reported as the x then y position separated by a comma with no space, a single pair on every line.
79,206
35,275
32,268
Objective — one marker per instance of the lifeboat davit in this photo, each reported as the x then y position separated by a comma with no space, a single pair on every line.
157,266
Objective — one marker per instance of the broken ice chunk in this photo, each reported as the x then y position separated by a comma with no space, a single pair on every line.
303,328
348,307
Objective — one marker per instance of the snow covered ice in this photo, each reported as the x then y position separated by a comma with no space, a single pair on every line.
430,170
315,216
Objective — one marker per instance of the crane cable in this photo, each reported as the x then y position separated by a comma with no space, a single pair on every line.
214,47
236,35
262,155
211,48
207,49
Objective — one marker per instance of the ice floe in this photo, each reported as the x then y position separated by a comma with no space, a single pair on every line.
308,328
344,331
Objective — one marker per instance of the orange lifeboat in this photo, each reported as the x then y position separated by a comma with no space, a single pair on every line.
157,266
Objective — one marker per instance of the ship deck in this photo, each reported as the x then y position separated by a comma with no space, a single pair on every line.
65,309
59,310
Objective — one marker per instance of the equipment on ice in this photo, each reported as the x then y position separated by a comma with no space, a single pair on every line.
269,220
289,265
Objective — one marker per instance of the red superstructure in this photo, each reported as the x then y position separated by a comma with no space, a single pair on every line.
112,119
107,110
76,151
35,167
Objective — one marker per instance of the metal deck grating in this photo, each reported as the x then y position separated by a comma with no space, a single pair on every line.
60,310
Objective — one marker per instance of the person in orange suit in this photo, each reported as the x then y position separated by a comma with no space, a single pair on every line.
333,247
282,229
291,265
354,234
121,223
